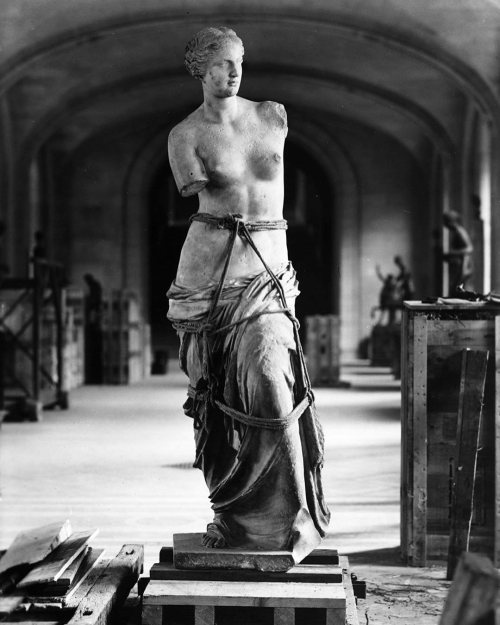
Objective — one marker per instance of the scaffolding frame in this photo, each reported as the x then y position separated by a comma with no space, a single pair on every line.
44,288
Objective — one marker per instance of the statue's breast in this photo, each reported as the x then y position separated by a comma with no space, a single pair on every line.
240,162
264,162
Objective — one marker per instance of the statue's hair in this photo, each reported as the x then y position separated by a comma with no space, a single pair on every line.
452,216
204,45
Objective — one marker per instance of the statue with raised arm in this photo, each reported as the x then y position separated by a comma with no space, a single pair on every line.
258,439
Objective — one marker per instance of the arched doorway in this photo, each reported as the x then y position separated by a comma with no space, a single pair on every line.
307,208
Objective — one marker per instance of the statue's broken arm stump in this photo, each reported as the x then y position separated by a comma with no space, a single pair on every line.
316,591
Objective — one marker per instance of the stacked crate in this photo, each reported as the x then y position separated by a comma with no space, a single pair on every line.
74,339
323,349
123,339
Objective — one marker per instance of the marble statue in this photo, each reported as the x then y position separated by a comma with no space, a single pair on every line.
459,254
258,439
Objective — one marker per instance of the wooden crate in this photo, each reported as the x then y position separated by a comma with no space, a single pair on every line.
323,349
433,338
124,339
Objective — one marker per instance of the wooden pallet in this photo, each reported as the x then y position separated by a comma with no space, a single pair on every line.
95,601
309,594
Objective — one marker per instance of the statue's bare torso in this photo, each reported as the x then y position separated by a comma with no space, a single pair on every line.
234,162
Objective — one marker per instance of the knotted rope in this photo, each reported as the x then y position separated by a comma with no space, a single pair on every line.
238,227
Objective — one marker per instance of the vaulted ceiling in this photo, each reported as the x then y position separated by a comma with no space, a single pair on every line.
412,69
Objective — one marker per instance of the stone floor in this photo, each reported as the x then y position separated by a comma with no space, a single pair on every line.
120,459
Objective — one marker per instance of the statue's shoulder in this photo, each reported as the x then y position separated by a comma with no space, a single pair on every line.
274,112
185,130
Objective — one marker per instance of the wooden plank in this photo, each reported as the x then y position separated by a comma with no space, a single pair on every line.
69,576
283,616
446,307
92,564
406,433
9,579
33,622
477,333
469,417
54,565
152,614
204,615
112,588
351,612
166,554
472,595
68,579
272,595
91,570
32,546
303,573
496,548
419,451
322,555
10,602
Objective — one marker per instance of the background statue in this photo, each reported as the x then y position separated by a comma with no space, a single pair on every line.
459,255
258,440
404,281
396,289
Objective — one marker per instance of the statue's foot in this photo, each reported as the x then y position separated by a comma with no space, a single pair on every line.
213,537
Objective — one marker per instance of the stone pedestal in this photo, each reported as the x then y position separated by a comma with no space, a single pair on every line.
189,553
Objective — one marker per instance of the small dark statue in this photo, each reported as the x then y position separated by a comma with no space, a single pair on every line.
459,255
396,289
93,331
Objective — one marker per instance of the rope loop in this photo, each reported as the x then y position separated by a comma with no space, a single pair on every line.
230,221
205,328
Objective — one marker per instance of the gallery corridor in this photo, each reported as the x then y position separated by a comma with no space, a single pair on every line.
120,460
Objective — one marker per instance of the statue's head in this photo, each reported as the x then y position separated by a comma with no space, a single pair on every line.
204,45
451,218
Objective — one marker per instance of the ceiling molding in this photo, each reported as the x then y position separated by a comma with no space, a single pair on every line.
406,43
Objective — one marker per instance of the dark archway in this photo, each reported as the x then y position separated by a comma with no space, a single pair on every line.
307,208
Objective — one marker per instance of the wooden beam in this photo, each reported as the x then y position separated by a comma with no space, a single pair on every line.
472,596
112,587
251,594
470,407
10,602
419,451
91,570
303,573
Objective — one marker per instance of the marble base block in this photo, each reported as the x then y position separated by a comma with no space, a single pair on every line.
189,553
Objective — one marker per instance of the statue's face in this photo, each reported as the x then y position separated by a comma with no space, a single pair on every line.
223,74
